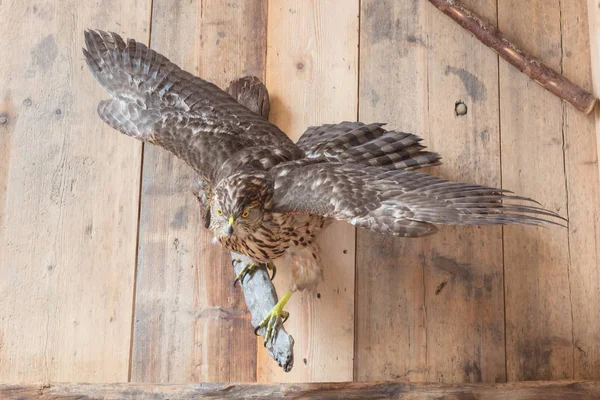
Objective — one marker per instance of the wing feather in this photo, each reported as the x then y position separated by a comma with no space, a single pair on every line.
400,203
156,101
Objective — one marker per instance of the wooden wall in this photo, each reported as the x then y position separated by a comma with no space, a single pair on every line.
106,274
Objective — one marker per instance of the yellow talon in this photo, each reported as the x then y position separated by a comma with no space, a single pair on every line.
273,317
248,269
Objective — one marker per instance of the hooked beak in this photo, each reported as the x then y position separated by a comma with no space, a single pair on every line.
230,228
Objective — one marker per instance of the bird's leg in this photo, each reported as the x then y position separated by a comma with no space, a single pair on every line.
249,268
274,316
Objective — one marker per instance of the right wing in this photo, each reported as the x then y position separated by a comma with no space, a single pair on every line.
395,202
154,100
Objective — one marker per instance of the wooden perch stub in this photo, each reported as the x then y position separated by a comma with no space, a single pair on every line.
261,297
350,390
489,35
259,293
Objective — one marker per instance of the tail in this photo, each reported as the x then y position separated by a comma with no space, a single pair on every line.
359,143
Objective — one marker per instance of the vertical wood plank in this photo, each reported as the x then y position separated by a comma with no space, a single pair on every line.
69,207
432,309
538,303
583,185
312,62
191,325
593,12
390,313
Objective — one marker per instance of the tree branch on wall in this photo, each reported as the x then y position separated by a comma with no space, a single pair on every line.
489,35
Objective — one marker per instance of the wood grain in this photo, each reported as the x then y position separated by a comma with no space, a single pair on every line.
538,303
572,390
312,78
191,324
69,211
432,309
593,13
583,191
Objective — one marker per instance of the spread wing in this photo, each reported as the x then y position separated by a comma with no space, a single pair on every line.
367,144
155,101
395,202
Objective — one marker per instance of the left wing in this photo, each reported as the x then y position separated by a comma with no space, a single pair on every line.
155,101
396,202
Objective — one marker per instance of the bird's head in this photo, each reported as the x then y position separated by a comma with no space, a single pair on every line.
238,204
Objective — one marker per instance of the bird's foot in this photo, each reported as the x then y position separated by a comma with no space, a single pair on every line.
272,319
250,268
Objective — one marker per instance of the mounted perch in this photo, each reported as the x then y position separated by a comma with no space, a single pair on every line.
259,293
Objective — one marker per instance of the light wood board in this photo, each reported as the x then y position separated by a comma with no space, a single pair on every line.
69,202
581,173
191,324
432,308
538,303
312,76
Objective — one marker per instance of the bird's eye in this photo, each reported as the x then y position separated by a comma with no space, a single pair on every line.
245,214
219,212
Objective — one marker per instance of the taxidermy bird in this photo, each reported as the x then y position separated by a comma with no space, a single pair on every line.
265,196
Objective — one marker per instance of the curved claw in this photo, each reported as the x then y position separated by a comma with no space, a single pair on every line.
274,268
248,269
256,330
285,318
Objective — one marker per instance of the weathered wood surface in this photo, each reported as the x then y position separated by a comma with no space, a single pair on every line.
572,390
427,309
69,189
432,309
260,296
536,261
312,77
539,325
581,173
488,34
593,12
191,324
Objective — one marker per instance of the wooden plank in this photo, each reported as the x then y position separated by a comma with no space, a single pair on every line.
538,304
573,390
312,78
190,323
593,12
432,309
390,313
583,190
70,209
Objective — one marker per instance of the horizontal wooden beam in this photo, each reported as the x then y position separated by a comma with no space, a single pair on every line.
572,390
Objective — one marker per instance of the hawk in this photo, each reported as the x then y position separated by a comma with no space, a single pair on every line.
266,197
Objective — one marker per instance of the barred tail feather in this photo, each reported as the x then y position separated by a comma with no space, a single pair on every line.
371,145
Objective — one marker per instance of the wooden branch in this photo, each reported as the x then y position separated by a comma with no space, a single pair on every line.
261,297
489,35
573,390
259,293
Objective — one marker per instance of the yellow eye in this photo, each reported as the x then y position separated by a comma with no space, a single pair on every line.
245,214
219,212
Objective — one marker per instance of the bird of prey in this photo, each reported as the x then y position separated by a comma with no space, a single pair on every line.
266,197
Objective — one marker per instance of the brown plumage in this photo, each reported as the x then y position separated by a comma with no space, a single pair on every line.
263,195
